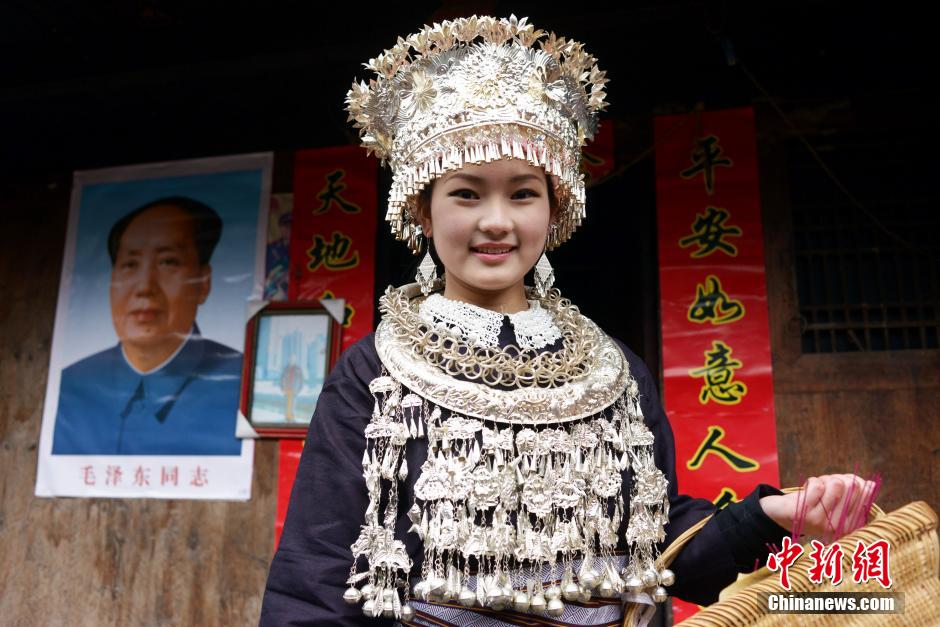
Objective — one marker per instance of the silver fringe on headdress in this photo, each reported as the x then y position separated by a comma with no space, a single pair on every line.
475,90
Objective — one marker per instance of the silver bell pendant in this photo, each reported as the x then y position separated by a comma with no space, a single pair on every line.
521,601
537,605
667,577
555,607
407,612
467,598
634,584
571,592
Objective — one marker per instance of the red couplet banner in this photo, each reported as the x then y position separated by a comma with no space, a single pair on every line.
332,251
717,383
332,255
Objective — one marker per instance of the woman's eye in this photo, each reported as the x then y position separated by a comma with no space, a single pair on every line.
525,193
464,194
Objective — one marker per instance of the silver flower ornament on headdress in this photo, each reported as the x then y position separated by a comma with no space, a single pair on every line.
474,90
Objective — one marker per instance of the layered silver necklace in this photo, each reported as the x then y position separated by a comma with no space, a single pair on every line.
520,479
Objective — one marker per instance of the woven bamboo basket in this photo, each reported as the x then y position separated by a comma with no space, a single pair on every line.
911,532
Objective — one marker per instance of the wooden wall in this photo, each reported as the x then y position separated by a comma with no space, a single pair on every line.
102,562
877,411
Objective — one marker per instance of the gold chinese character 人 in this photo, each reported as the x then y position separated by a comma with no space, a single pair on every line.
718,372
332,194
712,445
713,305
706,156
725,497
709,233
332,254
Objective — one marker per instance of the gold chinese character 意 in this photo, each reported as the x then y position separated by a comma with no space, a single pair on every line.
718,372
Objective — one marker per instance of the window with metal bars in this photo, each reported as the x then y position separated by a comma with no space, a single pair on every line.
867,277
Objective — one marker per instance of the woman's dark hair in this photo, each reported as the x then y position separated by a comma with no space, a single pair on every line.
207,225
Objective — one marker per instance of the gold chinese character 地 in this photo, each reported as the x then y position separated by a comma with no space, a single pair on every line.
718,372
709,233
332,254
713,305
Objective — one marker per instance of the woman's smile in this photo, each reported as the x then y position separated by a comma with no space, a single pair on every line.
492,253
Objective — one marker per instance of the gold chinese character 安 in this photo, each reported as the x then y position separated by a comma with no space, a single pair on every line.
710,233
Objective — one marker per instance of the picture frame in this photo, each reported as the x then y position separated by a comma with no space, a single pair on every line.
290,348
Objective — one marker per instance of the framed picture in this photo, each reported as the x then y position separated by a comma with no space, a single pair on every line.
290,348
144,387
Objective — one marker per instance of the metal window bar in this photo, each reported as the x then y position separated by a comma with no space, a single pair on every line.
858,288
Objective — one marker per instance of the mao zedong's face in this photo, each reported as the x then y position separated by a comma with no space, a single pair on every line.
157,284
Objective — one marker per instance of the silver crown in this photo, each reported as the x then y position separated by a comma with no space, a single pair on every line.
475,90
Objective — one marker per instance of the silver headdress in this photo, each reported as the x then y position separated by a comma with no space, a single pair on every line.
475,90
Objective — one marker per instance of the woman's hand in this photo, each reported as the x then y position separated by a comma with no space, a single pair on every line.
826,507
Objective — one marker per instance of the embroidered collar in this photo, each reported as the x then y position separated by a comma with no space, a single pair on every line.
534,328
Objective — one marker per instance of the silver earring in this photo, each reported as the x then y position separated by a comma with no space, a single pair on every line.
544,276
427,272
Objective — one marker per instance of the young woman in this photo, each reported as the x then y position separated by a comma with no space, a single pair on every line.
489,455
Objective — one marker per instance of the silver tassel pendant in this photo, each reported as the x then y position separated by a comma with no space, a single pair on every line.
544,276
427,274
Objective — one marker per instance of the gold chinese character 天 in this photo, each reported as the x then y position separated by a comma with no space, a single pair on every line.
709,232
706,156
713,305
332,194
332,254
718,372
712,445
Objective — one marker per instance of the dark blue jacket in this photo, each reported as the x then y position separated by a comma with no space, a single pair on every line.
328,502
188,407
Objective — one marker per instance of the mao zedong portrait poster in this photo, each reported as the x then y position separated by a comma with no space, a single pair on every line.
159,266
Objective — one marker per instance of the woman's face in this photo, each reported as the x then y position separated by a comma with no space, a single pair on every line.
489,223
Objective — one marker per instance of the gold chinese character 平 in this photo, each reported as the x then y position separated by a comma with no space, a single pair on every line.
718,372
709,232
713,305
706,156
